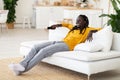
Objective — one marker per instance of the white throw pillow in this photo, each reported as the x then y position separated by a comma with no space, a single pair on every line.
102,40
88,46
104,37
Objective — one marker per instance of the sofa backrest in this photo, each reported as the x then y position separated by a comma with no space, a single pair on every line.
58,34
116,41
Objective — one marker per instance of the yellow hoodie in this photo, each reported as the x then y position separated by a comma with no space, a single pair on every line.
75,37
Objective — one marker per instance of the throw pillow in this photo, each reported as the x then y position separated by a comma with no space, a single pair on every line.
104,38
88,46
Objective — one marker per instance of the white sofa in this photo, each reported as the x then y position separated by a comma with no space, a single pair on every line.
80,61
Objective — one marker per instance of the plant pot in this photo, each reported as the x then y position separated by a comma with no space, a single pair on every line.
10,25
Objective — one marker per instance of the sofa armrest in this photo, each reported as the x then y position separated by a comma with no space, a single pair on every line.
30,44
25,47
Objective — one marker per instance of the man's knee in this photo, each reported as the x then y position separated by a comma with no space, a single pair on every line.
36,48
45,52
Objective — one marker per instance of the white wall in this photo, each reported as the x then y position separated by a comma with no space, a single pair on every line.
24,8
104,4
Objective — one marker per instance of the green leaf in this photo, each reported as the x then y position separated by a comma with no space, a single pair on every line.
9,1
104,15
114,19
10,5
115,6
109,22
118,1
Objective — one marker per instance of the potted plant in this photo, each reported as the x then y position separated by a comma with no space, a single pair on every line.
114,19
10,5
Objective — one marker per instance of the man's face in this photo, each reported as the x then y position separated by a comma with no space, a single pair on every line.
80,21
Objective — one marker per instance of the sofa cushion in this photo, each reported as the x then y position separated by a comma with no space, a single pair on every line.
87,56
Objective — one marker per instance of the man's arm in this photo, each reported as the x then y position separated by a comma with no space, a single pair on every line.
89,37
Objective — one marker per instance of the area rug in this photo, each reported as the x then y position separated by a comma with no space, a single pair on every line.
42,71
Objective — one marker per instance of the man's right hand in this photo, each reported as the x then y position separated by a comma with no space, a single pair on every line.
54,26
89,37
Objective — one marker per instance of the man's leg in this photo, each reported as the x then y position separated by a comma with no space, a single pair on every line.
34,51
17,68
45,52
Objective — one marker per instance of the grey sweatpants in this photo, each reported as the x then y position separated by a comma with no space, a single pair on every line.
41,51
